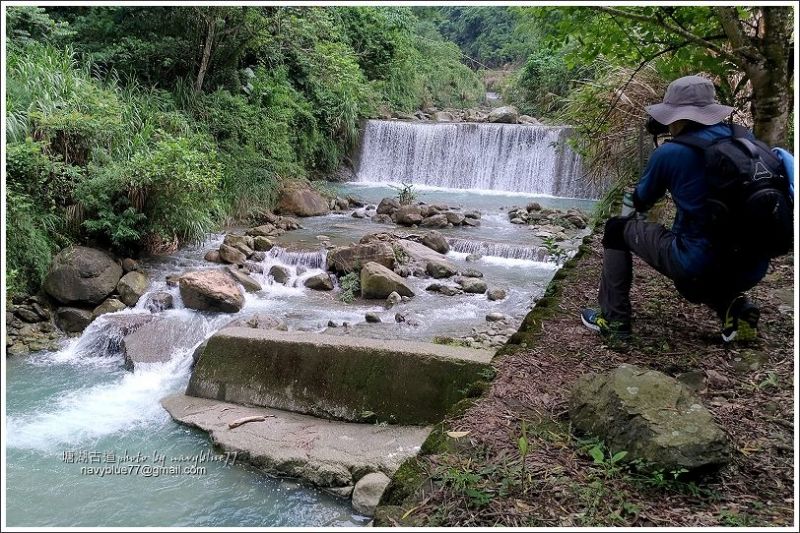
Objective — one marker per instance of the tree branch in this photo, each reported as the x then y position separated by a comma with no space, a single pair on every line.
689,36
742,44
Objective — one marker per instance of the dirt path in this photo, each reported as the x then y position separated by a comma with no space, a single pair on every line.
479,480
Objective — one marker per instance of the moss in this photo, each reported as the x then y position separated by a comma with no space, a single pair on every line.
547,306
408,479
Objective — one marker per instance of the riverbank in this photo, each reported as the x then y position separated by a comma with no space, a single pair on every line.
470,473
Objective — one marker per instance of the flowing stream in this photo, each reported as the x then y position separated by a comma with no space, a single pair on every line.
85,437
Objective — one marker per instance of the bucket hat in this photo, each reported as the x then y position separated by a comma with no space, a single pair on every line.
689,98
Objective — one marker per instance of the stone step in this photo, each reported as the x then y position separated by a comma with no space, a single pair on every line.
326,453
338,377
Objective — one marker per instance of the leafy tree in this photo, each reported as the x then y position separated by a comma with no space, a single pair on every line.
487,35
748,50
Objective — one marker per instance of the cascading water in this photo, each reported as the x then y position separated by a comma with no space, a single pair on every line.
496,157
70,407
502,250
81,399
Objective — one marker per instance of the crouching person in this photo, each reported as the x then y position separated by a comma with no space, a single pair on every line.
734,213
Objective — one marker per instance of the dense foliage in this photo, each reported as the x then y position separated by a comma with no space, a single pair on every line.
139,128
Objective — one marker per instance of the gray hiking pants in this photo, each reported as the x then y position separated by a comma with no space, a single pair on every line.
653,243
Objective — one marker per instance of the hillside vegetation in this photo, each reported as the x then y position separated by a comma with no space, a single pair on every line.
141,128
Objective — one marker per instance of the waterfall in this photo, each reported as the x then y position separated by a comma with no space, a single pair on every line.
314,259
496,157
498,249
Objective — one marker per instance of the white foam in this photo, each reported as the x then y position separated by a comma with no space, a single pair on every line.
87,414
508,262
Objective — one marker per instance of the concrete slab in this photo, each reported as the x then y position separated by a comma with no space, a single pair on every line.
338,377
325,453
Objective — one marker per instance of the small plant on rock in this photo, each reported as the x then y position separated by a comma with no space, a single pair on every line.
555,251
406,193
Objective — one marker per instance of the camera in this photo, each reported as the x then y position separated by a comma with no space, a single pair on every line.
654,127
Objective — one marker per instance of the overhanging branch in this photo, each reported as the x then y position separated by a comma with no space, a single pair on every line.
689,36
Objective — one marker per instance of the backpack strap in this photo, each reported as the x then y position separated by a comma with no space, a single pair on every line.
738,133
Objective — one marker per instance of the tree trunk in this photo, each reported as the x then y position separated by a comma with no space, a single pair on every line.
766,61
772,98
770,107
201,73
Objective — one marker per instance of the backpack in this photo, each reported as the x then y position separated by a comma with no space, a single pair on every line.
749,204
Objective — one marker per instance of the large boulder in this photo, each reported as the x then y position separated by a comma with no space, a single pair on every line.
439,268
651,416
82,275
73,319
378,282
262,244
210,290
442,116
280,274
420,256
368,491
408,215
472,285
346,259
319,282
387,206
455,218
264,230
301,200
231,255
160,301
436,242
131,287
438,220
213,256
243,243
529,120
242,276
507,114
112,305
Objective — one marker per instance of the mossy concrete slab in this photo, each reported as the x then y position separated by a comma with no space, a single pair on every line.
337,377
326,453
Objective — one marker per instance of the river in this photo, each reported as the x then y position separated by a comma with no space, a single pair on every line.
88,443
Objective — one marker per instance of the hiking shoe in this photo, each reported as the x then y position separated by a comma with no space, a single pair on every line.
741,321
595,321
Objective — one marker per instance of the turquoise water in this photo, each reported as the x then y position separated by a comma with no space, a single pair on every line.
64,409
79,404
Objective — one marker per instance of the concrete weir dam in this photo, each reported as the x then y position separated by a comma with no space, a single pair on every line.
508,158
334,406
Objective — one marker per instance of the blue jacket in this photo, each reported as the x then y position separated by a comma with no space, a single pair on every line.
680,169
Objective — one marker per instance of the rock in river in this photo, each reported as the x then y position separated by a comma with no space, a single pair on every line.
367,492
82,275
72,319
210,290
301,200
131,287
378,282
319,282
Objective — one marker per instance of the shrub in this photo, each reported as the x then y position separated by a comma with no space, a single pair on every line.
29,245
351,287
171,191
